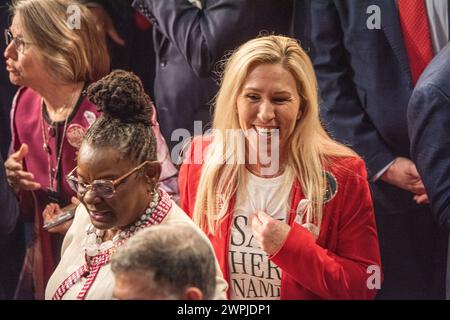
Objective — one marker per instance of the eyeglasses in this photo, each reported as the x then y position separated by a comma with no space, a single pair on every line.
102,188
19,43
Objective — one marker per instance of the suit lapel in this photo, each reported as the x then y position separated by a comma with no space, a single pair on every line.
390,24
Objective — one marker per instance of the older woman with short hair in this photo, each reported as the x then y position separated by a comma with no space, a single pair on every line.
52,62
287,209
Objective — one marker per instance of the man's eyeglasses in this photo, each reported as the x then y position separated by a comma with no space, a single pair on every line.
19,43
102,188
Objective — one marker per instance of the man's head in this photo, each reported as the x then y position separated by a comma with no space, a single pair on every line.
165,262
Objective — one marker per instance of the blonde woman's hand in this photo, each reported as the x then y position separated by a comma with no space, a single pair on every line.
269,233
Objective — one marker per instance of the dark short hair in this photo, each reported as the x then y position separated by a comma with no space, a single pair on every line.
177,256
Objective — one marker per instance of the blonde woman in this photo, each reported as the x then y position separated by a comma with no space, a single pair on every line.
288,210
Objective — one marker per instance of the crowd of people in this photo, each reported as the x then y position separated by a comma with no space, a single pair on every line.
320,169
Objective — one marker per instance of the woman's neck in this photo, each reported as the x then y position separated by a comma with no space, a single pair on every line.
60,99
274,168
110,233
265,163
264,172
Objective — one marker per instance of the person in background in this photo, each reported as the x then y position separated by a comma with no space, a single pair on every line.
12,245
7,89
10,208
127,35
428,124
165,262
368,56
9,214
116,180
287,209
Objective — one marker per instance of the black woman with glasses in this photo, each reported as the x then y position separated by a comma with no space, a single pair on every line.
116,180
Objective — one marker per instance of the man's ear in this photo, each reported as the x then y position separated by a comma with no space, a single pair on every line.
193,293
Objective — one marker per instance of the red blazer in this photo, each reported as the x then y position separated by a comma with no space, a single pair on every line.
333,267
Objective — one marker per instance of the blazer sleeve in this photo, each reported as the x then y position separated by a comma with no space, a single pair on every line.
428,123
10,209
191,170
341,107
201,35
343,272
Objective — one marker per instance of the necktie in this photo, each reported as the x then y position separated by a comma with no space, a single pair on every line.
141,21
416,35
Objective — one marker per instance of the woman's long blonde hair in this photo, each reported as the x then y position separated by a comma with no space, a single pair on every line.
310,147
71,55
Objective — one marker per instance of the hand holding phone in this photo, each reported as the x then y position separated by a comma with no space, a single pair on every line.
57,219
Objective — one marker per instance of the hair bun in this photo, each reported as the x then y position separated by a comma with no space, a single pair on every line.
120,95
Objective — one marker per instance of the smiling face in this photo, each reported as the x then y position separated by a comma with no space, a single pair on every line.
25,68
131,196
268,107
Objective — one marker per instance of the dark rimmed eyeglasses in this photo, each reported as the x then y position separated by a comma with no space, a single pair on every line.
19,43
102,188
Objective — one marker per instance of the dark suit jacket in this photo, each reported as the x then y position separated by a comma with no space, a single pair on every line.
7,90
11,240
137,55
429,130
189,42
9,211
365,85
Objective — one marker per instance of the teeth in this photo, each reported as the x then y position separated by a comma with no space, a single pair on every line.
265,131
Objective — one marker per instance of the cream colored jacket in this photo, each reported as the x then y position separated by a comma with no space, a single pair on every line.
72,257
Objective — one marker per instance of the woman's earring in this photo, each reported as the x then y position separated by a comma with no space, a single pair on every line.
151,185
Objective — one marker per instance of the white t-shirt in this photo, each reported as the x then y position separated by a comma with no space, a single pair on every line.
252,275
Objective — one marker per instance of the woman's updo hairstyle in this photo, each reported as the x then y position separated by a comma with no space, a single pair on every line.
125,124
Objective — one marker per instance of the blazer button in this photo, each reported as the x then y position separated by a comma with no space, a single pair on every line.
163,63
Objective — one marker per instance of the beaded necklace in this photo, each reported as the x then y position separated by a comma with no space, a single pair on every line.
94,243
161,203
